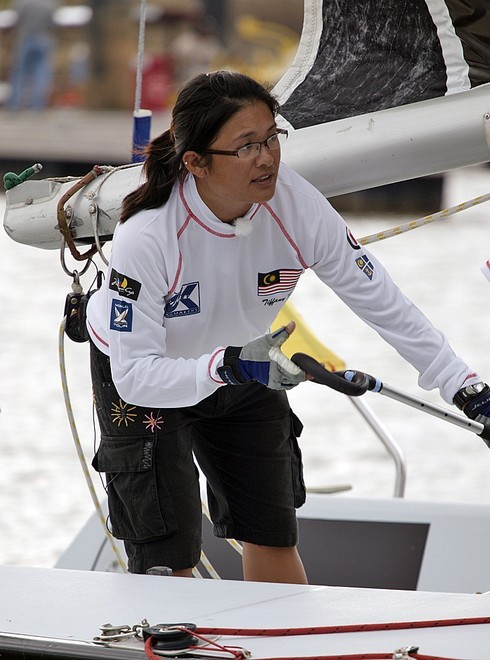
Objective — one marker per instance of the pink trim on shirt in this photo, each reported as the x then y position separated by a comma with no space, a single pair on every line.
256,211
182,229
97,336
179,267
288,237
177,275
211,370
196,219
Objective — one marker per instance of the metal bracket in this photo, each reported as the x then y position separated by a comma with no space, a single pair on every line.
486,127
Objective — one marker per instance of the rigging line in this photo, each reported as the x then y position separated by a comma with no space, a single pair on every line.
414,224
399,654
238,652
213,573
81,456
208,566
141,51
342,628
234,544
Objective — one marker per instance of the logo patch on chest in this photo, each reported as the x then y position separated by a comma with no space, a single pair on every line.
185,302
277,281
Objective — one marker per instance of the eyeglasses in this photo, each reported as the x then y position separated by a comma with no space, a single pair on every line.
252,149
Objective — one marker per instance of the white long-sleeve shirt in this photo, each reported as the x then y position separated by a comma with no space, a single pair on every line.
181,285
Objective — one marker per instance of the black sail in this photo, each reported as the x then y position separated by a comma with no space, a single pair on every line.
383,53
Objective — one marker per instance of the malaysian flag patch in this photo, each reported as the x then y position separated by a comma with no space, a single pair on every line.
278,281
365,265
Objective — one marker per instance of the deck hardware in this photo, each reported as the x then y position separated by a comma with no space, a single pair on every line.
110,633
405,652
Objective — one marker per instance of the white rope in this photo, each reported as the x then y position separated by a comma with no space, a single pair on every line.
234,544
81,456
414,224
141,52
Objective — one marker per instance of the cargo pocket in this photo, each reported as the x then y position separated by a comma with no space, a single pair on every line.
135,499
299,488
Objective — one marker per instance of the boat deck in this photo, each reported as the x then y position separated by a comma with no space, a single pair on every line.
71,605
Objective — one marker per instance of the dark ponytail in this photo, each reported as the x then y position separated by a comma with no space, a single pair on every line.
203,106
161,168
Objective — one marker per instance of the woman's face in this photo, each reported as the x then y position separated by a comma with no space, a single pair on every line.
229,185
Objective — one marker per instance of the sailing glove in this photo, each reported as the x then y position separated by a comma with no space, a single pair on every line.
474,401
262,361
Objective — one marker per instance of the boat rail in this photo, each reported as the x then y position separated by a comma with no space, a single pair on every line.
387,441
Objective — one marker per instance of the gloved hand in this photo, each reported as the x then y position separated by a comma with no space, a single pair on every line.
262,360
474,401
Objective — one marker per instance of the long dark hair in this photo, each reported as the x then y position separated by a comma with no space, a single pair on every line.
203,106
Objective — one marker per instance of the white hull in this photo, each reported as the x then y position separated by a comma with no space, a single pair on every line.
67,608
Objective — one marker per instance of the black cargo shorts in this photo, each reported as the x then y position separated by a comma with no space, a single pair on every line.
245,440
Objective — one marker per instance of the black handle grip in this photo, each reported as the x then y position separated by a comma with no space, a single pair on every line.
485,433
355,387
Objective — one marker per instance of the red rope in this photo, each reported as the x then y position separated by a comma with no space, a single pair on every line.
361,656
355,656
234,651
352,656
326,630
149,650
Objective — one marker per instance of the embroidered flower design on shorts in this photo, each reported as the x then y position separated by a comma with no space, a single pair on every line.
151,422
121,413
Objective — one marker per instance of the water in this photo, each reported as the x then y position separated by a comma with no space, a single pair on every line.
43,496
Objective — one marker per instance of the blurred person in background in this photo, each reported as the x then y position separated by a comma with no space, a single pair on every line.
218,11
196,50
32,57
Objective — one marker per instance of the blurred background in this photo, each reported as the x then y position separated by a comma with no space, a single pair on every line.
68,78
68,69
94,46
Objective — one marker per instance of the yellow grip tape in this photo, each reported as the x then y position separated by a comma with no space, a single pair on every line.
303,340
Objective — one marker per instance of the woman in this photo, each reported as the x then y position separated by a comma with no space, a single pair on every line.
209,247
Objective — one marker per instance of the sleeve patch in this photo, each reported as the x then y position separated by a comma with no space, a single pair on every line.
365,265
125,286
351,239
121,316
